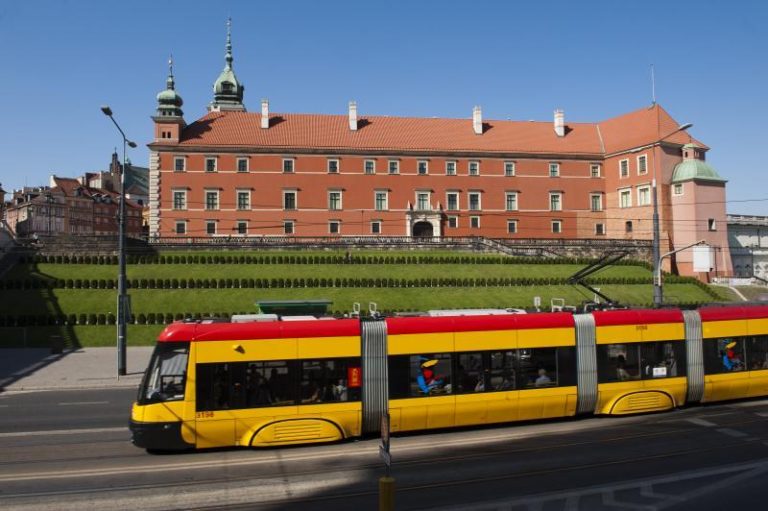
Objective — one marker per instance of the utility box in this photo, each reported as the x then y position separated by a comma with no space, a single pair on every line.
703,259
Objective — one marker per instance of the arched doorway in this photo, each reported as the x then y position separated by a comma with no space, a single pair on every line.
423,230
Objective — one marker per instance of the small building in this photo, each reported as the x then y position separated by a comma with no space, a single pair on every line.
748,239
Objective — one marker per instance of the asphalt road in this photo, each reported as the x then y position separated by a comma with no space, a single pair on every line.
71,450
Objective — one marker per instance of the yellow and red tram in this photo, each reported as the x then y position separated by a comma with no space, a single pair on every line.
291,382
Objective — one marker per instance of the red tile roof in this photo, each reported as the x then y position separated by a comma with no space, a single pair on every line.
398,134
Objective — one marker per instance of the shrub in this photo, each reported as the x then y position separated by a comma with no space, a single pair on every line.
141,319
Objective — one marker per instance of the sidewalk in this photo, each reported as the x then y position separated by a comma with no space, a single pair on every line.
84,368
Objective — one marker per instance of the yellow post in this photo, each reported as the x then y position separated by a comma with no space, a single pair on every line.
386,493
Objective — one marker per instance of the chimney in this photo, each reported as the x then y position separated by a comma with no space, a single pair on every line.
265,113
560,123
477,120
353,115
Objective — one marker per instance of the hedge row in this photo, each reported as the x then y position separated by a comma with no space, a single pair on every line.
307,259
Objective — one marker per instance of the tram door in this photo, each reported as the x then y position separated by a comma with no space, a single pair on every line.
220,390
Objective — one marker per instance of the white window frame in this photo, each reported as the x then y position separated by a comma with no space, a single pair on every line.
183,224
479,201
419,164
292,165
622,173
331,193
644,190
453,221
247,165
476,165
558,204
557,227
592,197
183,160
554,169
377,229
625,192
448,201
218,199
295,200
238,223
329,164
474,222
373,167
509,168
215,161
390,169
640,171
514,228
429,200
330,226
286,228
237,199
208,224
451,171
595,170
599,229
184,201
677,189
513,196
376,200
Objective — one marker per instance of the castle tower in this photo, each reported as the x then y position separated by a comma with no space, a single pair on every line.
169,118
227,90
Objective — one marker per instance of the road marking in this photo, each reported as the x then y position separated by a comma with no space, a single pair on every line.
701,422
4,406
762,414
732,432
16,434
79,403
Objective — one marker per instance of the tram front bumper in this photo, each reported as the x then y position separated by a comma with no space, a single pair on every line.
158,436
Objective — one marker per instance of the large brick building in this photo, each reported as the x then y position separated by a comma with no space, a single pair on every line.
237,173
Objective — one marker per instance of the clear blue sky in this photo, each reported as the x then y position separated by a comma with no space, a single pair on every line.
62,59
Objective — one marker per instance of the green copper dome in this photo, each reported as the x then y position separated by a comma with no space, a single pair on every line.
227,90
168,101
695,169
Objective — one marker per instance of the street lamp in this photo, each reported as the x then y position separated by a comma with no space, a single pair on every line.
658,296
122,294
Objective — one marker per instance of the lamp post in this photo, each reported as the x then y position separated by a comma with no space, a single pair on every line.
122,295
658,295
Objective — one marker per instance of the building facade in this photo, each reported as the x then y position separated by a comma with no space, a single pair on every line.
748,238
238,173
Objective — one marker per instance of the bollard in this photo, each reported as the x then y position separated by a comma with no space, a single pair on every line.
386,493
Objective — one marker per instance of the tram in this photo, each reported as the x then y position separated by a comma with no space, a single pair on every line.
275,383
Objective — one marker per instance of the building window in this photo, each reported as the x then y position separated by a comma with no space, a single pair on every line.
600,229
180,199
711,224
474,168
628,226
642,164
212,199
474,222
334,200
376,227
511,199
243,199
369,166
422,167
289,200
181,227
381,200
677,189
452,201
625,198
288,165
644,196
556,201
509,168
596,201
422,201
594,170
333,166
242,164
557,226
511,226
554,170
210,164
180,164
450,168
453,221
474,201
242,227
288,227
624,168
334,227
394,166
210,227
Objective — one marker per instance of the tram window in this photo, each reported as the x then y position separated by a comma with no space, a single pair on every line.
420,375
618,362
757,350
231,386
724,355
503,370
538,367
269,384
566,367
330,380
166,376
662,359
470,374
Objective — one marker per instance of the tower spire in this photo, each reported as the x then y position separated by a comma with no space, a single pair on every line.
227,90
228,57
168,101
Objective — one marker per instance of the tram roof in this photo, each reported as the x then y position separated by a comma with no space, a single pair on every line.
184,332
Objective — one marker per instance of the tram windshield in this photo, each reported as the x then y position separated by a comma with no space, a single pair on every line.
166,375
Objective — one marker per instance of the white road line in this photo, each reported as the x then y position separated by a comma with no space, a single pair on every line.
4,406
78,403
17,434
701,422
732,432
762,414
